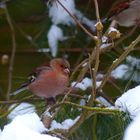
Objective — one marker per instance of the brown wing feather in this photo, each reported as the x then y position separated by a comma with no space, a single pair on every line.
31,78
118,8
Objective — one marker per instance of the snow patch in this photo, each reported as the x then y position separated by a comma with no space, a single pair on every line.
55,34
84,84
103,101
22,108
58,14
104,45
132,132
120,71
104,39
66,124
25,127
130,102
130,70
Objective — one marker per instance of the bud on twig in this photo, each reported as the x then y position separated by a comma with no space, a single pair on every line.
114,33
4,59
99,26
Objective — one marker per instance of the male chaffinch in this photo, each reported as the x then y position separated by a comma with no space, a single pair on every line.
126,13
50,81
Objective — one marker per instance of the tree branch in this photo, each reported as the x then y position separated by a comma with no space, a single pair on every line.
10,73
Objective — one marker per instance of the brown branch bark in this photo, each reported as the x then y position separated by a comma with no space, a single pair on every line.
10,70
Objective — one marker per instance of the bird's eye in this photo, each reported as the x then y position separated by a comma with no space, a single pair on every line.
65,67
62,66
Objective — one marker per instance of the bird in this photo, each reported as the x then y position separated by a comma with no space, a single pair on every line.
126,13
48,82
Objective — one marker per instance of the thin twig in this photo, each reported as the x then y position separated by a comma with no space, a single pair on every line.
127,34
84,62
97,10
95,109
118,61
10,73
93,78
28,98
30,39
97,50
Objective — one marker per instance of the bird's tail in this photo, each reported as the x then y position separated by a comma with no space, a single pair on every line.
20,89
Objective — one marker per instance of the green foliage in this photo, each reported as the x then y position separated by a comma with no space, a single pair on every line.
102,127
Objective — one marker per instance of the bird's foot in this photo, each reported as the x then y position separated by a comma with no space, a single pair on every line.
51,101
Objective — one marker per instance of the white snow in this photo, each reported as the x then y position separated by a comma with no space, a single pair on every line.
134,61
22,108
112,29
130,102
78,85
104,45
87,82
82,102
98,84
128,71
58,14
120,71
114,33
99,76
54,35
25,127
104,39
103,101
133,130
84,84
66,124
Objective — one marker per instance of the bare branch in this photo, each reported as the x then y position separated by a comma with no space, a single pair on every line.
97,10
10,73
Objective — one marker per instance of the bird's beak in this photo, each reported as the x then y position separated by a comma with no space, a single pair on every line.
67,71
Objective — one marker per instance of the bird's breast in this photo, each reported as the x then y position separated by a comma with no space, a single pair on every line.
49,85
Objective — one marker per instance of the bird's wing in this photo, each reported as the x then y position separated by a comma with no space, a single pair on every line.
118,8
31,78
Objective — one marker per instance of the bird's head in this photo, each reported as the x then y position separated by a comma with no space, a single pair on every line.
62,65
